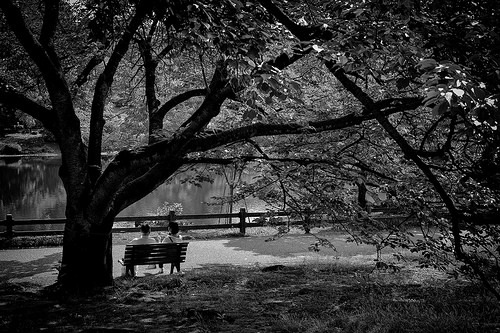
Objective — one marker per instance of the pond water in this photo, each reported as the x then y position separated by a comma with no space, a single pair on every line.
30,188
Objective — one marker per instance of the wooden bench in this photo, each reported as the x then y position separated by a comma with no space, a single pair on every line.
149,254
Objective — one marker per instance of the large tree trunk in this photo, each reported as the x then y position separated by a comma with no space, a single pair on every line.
87,256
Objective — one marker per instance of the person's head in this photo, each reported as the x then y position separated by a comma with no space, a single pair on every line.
173,227
145,229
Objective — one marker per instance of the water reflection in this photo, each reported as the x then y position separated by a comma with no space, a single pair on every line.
31,188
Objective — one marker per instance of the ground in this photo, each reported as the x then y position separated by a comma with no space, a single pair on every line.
336,297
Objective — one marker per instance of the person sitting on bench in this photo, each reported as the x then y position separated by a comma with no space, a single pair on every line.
173,234
144,239
173,237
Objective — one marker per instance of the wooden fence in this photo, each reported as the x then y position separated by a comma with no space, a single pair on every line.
9,223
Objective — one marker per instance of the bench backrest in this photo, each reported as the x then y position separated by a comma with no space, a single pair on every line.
160,253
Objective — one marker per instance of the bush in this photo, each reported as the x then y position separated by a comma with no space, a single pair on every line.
30,241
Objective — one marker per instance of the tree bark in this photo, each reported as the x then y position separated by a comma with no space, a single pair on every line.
87,256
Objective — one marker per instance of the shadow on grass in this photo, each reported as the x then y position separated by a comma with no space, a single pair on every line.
281,298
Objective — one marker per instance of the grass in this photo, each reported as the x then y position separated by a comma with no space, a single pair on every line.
319,298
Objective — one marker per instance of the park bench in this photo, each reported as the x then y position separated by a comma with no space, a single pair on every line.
149,254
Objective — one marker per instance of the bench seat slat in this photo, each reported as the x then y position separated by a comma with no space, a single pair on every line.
159,260
150,262
157,253
171,253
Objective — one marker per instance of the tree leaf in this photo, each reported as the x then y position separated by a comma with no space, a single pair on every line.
427,64
369,198
295,86
458,92
440,108
382,196
275,84
431,97
317,48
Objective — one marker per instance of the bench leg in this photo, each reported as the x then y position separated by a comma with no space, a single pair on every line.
130,269
175,265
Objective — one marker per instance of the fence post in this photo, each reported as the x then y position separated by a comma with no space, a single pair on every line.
8,223
171,216
243,215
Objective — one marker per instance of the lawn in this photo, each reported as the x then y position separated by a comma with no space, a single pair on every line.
333,297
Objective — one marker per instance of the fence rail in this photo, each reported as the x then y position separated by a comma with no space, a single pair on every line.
9,223
242,224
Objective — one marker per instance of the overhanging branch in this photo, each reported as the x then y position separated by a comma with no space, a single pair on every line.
300,161
174,101
12,98
207,142
93,62
142,185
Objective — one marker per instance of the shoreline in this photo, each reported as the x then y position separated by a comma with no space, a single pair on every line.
31,144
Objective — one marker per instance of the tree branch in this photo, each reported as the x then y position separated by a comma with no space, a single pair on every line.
371,108
35,49
93,62
131,176
129,164
301,161
142,185
163,53
430,130
50,19
152,30
218,91
303,33
103,87
258,148
363,166
259,129
12,98
63,121
174,101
